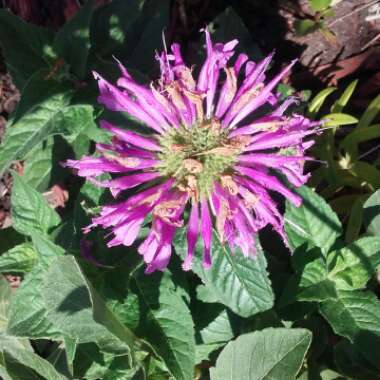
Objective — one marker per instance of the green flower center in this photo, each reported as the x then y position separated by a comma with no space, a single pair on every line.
197,156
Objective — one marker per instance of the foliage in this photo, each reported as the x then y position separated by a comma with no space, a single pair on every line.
312,314
348,178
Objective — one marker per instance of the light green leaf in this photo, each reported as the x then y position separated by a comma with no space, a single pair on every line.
168,325
241,283
306,26
77,311
72,41
219,330
352,312
30,210
313,223
336,119
371,211
319,5
267,354
344,98
21,258
317,102
25,47
351,267
370,113
5,296
205,295
203,351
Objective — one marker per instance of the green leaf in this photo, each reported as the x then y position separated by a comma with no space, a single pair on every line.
76,309
317,102
351,267
241,283
312,285
5,296
355,220
21,258
13,354
30,210
336,119
9,238
25,47
267,354
344,98
35,118
371,211
205,295
110,34
352,312
319,5
370,113
351,362
26,318
168,325
227,26
313,223
306,26
72,41
219,330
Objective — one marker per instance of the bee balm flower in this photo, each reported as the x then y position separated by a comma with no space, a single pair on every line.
208,156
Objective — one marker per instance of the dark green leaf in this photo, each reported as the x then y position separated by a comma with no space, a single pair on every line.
168,325
73,40
25,47
370,113
267,354
239,282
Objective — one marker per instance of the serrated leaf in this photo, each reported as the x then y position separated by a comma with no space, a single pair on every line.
313,223
352,312
30,210
20,259
337,119
76,309
34,117
168,325
72,41
26,318
26,47
351,267
241,283
5,296
267,354
311,285
371,211
14,356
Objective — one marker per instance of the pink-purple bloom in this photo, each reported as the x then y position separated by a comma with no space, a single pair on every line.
209,163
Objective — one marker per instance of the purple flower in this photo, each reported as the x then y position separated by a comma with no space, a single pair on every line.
209,163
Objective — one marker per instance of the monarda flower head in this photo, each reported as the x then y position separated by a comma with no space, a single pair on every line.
209,163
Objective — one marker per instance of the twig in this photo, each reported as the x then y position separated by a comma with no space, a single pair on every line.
369,152
368,44
352,13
